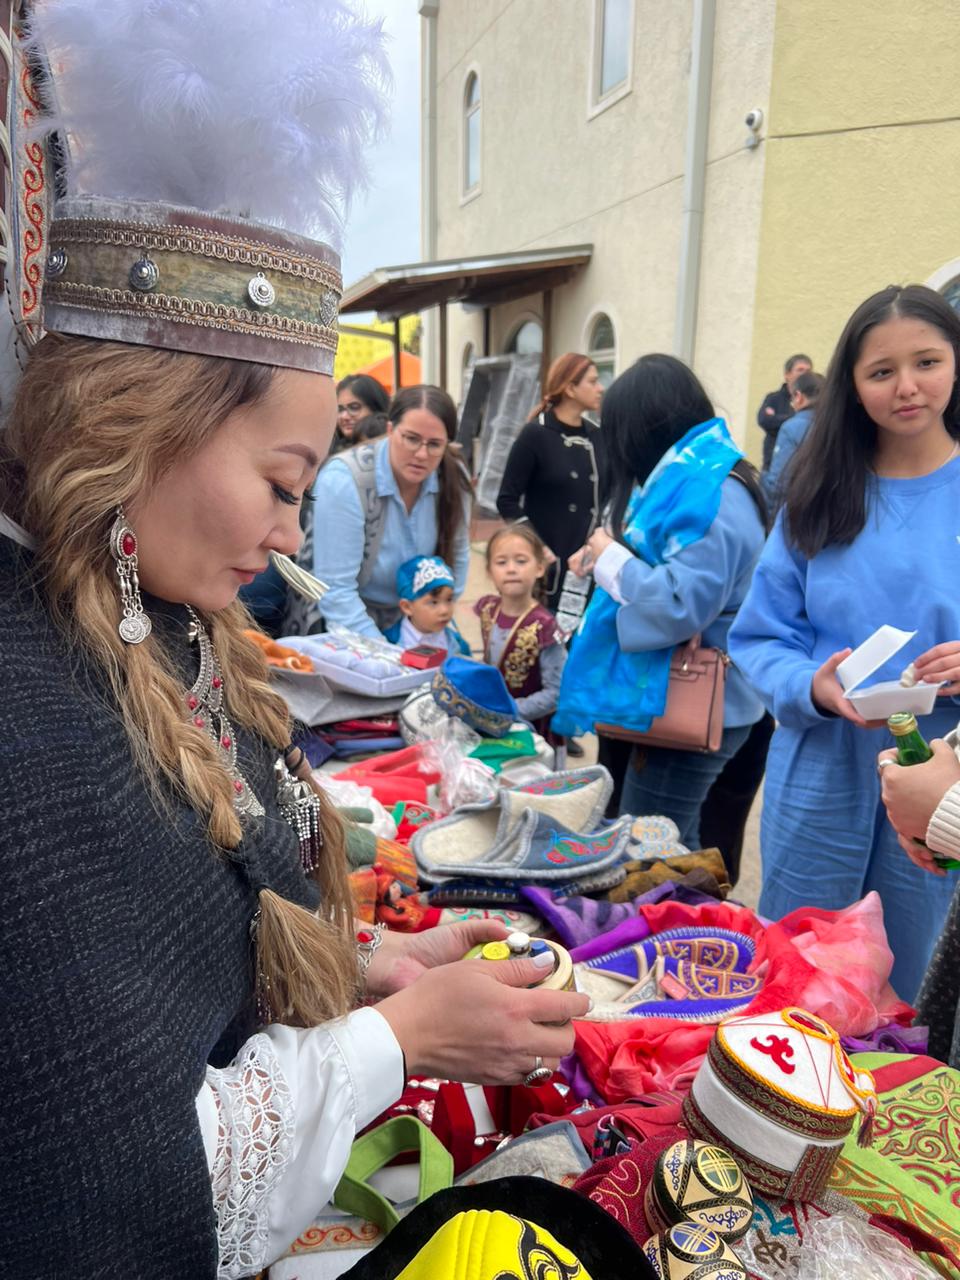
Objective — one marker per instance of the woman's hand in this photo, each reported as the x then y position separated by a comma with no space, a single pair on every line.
582,561
598,542
475,1021
919,855
912,795
827,693
402,958
942,662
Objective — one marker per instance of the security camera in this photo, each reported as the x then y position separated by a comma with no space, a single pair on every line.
754,119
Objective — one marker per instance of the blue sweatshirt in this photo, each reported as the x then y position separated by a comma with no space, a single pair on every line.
902,568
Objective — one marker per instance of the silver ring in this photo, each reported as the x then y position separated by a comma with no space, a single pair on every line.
882,764
539,1075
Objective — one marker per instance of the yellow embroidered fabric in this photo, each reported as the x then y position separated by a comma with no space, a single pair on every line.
480,1245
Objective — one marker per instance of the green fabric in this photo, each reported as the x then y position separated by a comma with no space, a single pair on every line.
375,1150
912,1167
497,752
361,844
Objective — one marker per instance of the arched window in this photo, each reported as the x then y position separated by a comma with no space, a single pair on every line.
602,347
527,339
471,134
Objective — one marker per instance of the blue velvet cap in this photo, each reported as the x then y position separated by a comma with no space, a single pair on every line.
476,694
422,574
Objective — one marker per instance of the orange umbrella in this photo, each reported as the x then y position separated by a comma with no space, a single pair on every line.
382,370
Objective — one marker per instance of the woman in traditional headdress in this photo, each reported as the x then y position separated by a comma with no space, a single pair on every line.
185,1074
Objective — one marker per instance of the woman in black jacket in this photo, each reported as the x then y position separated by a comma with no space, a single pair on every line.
552,476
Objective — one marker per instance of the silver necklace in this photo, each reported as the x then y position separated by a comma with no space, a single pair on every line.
205,704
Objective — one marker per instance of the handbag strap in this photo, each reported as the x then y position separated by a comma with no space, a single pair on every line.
377,1148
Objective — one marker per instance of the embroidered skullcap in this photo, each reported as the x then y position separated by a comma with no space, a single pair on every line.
422,574
477,694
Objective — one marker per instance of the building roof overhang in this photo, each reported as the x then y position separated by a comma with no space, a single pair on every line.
484,281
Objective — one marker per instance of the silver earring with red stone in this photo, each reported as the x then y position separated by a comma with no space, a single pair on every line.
134,626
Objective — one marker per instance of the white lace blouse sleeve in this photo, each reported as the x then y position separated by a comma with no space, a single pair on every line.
278,1124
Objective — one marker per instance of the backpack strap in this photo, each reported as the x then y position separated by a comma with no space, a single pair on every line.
362,465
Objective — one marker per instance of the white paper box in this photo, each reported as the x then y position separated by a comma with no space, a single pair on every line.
882,700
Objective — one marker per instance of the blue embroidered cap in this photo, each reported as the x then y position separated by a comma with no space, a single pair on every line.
475,693
422,574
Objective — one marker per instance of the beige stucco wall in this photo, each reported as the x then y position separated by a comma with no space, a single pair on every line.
862,173
552,174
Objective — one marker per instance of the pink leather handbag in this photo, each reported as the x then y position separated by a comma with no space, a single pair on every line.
693,717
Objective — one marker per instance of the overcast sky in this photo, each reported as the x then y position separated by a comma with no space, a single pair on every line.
384,226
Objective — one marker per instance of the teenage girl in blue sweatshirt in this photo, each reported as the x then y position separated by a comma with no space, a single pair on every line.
869,534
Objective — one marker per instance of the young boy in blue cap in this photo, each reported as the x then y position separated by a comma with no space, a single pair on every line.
425,590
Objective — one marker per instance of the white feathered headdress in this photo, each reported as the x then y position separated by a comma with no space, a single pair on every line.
256,108
208,152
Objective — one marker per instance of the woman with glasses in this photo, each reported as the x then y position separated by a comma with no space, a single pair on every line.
387,501
358,396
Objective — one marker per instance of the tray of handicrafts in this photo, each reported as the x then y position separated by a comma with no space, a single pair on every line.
358,663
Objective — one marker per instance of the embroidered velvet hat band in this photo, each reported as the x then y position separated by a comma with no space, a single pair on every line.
155,275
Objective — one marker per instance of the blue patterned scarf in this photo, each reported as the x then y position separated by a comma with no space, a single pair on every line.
679,502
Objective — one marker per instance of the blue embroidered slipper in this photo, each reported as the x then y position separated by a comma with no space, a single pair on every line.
575,799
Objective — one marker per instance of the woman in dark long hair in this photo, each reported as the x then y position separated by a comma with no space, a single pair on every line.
686,521
386,501
358,396
867,537
552,476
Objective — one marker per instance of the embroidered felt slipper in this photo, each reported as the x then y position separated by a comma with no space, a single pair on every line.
576,798
535,848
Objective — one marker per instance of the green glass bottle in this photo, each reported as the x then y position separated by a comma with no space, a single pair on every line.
912,749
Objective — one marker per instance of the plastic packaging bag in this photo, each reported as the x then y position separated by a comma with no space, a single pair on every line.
462,780
351,795
843,1247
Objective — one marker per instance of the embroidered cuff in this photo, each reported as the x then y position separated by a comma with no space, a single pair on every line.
374,1059
943,832
609,567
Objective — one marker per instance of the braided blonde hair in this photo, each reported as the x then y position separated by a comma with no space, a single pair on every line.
94,425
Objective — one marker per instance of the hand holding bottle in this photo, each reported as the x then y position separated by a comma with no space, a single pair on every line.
912,795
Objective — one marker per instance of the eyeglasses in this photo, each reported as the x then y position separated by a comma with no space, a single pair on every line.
413,444
354,407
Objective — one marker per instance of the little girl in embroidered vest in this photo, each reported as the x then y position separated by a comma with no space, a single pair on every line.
520,636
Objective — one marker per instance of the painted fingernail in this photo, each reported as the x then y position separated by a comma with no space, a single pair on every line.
544,959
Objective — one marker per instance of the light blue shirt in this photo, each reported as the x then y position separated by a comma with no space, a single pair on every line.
338,540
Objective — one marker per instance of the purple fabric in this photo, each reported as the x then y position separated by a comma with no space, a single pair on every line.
581,1086
624,935
892,1039
576,920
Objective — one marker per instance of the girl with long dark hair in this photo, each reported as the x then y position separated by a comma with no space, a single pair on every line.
387,501
686,521
868,536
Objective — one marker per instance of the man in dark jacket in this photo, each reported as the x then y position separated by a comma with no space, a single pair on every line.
776,408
